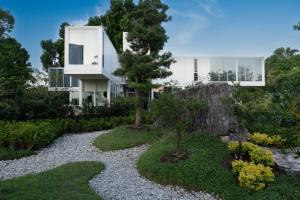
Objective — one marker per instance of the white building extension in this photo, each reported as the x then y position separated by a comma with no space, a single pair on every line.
246,71
90,59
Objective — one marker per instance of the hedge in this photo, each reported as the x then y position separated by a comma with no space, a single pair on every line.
33,135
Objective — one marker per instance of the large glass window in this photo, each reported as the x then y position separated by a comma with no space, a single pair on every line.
223,69
74,82
75,54
249,69
56,77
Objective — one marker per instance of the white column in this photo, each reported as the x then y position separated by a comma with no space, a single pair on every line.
80,92
108,91
94,98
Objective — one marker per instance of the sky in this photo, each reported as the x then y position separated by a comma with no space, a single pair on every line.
198,27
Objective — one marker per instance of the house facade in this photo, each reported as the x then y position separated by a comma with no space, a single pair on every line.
90,59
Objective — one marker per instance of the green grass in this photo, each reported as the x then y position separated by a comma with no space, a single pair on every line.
205,171
124,138
66,182
10,154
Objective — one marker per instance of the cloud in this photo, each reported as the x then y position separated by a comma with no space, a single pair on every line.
194,18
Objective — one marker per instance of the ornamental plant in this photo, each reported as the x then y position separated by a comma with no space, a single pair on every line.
265,140
262,156
254,177
257,154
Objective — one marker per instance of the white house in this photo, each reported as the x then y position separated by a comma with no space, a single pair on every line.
90,59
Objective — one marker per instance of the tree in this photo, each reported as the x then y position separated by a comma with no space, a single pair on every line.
146,38
15,71
176,113
53,51
297,27
6,22
115,21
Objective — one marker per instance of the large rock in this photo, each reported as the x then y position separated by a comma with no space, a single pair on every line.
218,119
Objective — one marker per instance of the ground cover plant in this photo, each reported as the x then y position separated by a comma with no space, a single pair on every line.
208,169
69,181
126,137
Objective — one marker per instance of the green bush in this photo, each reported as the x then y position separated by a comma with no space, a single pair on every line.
255,177
257,154
265,140
32,135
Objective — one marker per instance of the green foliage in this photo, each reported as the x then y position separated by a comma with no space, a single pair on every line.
175,113
9,154
265,140
115,21
33,135
69,181
278,103
146,38
53,51
126,137
257,154
7,22
205,171
255,177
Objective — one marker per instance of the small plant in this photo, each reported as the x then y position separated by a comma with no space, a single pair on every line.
265,140
255,177
262,156
237,166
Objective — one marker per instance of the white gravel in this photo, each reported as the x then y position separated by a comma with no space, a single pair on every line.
119,180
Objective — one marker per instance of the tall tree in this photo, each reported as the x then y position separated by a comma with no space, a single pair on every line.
6,22
115,21
146,37
53,51
15,71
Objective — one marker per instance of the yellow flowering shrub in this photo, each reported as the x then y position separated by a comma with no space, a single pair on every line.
246,147
233,146
255,177
265,140
262,156
237,166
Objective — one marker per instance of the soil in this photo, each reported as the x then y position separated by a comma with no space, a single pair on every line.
175,156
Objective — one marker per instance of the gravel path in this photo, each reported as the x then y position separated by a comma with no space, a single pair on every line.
120,179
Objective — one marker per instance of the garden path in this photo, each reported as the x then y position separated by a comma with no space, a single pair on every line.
119,180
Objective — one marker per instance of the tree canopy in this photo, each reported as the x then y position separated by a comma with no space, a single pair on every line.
53,51
146,37
115,21
7,22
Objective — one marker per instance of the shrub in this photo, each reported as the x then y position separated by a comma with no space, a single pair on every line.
237,166
254,177
233,147
262,156
257,154
265,140
32,135
246,147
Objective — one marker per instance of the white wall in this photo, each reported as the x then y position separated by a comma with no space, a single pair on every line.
111,60
91,38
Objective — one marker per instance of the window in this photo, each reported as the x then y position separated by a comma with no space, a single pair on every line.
74,82
75,54
56,77
249,69
66,80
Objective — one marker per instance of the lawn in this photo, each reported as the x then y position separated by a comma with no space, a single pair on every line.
10,154
69,181
205,170
126,137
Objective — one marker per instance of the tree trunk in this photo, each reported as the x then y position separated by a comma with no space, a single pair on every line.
178,137
138,110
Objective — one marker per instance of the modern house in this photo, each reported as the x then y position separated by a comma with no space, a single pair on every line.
90,59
